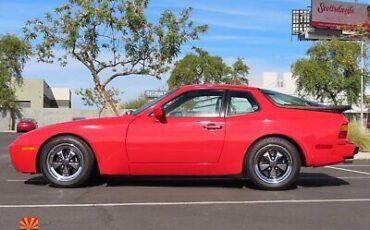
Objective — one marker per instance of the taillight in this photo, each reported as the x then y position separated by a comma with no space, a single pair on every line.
343,131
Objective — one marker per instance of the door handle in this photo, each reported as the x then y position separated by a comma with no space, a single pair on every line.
212,126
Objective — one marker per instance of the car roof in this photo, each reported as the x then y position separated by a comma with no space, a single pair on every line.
219,86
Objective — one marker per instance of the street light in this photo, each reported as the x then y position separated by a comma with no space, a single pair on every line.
363,37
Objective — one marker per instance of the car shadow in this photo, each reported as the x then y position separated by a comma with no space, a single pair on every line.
304,180
319,180
149,181
36,180
41,181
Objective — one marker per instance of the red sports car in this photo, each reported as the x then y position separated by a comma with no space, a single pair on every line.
194,130
26,124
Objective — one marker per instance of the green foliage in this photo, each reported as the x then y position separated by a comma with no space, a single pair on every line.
14,53
112,38
332,69
92,97
238,73
367,101
136,103
201,67
359,136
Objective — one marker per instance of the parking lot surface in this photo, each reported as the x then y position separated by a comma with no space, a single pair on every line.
335,197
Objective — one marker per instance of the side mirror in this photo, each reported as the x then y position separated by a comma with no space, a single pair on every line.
129,112
158,113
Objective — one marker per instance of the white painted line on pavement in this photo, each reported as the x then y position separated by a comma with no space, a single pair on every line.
353,166
249,202
348,170
334,178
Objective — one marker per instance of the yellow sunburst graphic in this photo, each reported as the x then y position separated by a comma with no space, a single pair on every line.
29,223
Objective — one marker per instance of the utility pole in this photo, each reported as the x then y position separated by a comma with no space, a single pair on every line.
363,72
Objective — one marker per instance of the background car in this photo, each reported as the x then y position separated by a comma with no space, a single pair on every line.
26,125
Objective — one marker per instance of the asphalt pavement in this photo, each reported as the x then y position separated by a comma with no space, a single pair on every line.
335,197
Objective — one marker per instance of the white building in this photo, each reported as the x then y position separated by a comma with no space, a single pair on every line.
36,93
273,81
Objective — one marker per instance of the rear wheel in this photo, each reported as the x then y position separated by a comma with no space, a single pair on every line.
273,163
67,161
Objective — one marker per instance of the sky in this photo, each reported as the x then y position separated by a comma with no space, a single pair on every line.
258,31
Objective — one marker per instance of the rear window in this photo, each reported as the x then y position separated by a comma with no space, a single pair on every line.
287,100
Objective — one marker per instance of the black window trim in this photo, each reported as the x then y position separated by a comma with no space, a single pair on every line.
228,100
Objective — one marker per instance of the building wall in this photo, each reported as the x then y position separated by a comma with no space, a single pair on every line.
272,81
48,116
32,90
39,94
62,97
4,121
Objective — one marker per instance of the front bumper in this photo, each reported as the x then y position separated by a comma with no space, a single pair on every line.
23,158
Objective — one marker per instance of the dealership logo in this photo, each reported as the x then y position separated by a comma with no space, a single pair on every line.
29,223
339,9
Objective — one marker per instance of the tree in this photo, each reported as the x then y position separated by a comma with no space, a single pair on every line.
111,38
238,73
135,103
201,67
367,102
14,53
92,97
331,72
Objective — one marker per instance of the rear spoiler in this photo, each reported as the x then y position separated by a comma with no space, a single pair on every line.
323,108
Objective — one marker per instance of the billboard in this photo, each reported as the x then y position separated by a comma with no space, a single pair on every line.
335,14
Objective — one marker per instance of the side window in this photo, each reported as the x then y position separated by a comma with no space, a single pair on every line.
202,103
241,103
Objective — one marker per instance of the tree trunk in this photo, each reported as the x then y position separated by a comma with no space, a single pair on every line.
11,125
107,99
103,93
10,120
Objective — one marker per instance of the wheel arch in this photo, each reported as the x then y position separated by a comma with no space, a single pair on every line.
301,152
64,134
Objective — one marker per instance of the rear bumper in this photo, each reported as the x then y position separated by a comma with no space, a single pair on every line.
334,155
354,153
25,128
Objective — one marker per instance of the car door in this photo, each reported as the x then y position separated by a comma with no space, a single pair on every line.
193,131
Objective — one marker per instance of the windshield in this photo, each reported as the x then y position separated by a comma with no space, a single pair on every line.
287,100
152,102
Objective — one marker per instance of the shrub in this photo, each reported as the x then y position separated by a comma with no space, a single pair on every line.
359,136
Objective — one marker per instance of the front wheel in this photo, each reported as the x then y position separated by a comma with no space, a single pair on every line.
67,161
273,163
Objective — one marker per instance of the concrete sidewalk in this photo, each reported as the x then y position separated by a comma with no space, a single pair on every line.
7,131
362,156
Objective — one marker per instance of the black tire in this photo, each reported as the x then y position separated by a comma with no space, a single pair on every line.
273,163
67,162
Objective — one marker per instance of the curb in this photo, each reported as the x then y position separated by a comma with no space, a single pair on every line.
362,156
7,131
